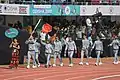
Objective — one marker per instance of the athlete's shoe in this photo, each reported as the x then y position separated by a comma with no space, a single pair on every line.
28,66
61,64
54,65
100,63
70,65
96,64
81,63
87,63
34,66
38,65
115,62
90,57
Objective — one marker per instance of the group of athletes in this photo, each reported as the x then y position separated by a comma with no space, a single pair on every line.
55,48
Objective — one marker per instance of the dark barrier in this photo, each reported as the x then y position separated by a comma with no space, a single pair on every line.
6,52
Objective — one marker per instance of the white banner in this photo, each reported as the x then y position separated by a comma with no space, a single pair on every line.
10,9
14,9
85,10
1,8
108,10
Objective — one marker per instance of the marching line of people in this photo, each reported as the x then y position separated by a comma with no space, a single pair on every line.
56,47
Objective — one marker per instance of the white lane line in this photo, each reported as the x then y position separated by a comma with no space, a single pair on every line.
45,73
33,71
20,70
104,77
78,77
24,73
37,70
28,71
66,74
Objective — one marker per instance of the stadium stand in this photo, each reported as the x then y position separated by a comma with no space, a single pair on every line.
79,2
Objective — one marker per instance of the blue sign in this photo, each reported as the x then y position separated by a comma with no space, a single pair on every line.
11,33
44,10
56,10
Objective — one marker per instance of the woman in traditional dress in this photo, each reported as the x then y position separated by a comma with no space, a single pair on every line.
15,54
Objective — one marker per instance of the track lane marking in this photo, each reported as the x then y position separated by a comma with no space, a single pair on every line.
104,77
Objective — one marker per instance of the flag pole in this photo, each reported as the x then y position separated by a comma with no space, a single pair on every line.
36,26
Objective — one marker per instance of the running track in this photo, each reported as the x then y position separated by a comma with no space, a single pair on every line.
107,71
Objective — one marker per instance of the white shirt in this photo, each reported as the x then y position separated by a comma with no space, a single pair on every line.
79,34
43,36
88,22
67,39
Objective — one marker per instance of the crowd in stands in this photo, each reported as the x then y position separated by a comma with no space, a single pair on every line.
21,26
17,25
105,27
79,2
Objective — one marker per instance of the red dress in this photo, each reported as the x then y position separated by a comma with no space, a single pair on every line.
15,58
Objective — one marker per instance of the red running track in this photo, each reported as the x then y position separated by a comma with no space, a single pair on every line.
107,71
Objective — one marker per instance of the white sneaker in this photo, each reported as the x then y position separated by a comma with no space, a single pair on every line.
115,62
28,66
34,66
90,57
96,64
70,65
81,63
39,65
100,63
54,65
87,63
61,64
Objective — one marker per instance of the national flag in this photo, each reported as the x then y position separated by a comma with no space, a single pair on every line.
44,27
